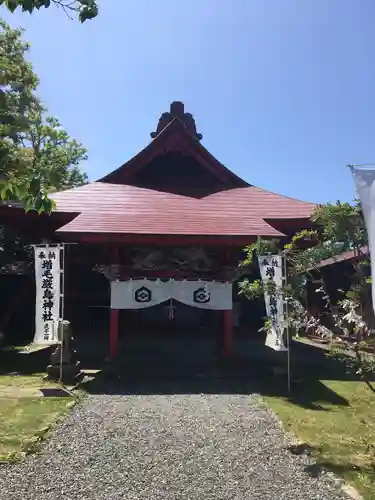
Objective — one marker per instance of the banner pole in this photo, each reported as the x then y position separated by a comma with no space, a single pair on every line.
60,325
289,369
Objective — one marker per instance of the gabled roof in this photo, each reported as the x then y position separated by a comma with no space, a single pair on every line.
118,205
178,134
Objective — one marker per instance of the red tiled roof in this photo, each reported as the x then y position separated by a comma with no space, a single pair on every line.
114,205
345,256
115,208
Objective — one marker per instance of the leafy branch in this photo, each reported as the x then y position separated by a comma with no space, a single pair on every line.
37,156
86,9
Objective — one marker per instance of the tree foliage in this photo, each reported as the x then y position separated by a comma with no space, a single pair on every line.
85,9
37,156
338,228
18,83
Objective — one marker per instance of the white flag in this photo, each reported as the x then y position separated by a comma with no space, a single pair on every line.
365,182
271,271
47,305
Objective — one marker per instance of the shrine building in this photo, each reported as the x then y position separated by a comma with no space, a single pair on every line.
155,244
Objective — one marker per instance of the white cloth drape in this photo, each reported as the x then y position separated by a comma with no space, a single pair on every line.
365,182
47,305
271,272
138,294
203,294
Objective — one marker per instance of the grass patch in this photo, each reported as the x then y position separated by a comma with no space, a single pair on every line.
13,348
36,380
24,421
340,429
23,348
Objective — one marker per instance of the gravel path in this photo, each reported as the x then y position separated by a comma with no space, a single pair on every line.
197,447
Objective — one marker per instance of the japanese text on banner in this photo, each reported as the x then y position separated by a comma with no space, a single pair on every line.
271,272
47,280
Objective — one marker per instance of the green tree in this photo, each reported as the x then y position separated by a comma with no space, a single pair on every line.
85,9
18,101
338,227
37,156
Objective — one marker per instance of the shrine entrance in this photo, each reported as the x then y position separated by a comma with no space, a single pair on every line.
151,340
169,316
193,310
180,314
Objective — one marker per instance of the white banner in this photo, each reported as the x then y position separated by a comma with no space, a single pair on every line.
47,305
271,272
364,179
137,294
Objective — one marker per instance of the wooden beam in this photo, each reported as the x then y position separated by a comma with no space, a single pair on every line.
228,333
164,239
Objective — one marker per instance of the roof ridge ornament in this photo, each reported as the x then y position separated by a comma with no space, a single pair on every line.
177,110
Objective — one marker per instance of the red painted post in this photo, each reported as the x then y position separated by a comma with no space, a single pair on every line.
228,332
113,332
114,313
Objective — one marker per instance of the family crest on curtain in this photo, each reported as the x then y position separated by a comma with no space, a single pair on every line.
138,294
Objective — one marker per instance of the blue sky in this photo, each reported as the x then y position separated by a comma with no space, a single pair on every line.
282,90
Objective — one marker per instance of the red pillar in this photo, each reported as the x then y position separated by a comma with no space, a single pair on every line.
114,314
113,332
228,332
